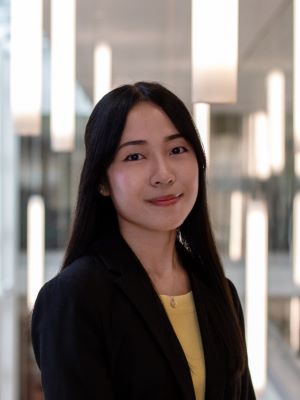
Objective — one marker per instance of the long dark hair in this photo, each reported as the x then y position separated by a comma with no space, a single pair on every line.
95,215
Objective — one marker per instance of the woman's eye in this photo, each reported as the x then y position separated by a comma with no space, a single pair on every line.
133,157
179,150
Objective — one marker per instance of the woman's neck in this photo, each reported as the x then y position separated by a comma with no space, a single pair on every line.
155,250
157,253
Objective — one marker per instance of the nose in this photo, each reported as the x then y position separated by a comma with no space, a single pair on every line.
162,174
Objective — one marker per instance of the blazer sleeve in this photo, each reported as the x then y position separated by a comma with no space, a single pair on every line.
66,338
246,387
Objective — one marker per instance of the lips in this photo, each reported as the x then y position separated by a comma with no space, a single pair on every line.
163,198
166,200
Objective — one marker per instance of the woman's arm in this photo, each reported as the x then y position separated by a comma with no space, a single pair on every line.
66,337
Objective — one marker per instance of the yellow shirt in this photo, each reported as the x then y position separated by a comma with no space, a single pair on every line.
183,318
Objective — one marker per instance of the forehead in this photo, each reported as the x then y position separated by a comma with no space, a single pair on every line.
147,119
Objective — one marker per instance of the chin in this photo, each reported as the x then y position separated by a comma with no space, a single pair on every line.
167,227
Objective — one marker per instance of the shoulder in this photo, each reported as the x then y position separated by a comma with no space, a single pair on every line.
69,307
233,290
86,270
84,280
236,302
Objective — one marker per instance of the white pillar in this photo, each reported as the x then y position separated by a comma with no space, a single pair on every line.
256,291
296,239
295,324
63,54
102,70
236,225
9,332
296,85
276,119
201,114
214,51
35,247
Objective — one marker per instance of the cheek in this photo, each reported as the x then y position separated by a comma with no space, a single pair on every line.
121,184
191,175
118,184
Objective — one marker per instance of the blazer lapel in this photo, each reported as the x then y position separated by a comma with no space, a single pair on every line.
133,280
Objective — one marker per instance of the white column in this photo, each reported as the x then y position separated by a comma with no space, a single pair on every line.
295,324
276,119
62,117
9,331
214,50
201,114
259,164
102,70
296,85
296,239
236,226
26,65
35,247
256,291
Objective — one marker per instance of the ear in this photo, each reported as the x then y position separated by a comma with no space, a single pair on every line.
103,190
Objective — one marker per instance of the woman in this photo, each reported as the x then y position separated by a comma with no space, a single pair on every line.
141,308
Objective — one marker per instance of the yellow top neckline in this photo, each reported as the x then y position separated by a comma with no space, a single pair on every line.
188,294
184,303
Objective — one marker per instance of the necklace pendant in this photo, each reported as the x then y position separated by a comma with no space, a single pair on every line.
173,302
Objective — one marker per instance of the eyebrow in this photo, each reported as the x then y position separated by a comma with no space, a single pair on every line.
139,142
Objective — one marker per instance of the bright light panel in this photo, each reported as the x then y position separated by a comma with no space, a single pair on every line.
256,291
276,118
26,66
102,70
295,323
214,50
35,247
259,162
202,121
297,163
296,102
296,239
236,225
62,119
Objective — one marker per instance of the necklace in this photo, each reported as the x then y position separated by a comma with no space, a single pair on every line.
173,302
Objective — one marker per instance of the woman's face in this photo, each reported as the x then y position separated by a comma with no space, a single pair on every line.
152,161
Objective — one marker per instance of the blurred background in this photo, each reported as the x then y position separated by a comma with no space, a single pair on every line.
236,65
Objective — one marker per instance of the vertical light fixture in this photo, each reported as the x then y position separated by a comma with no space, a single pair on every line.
102,70
276,118
236,226
201,113
295,323
256,291
26,66
62,117
296,239
214,50
259,162
35,247
296,91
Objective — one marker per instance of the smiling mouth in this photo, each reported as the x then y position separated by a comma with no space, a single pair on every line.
166,200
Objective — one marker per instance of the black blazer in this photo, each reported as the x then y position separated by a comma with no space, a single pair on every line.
100,331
